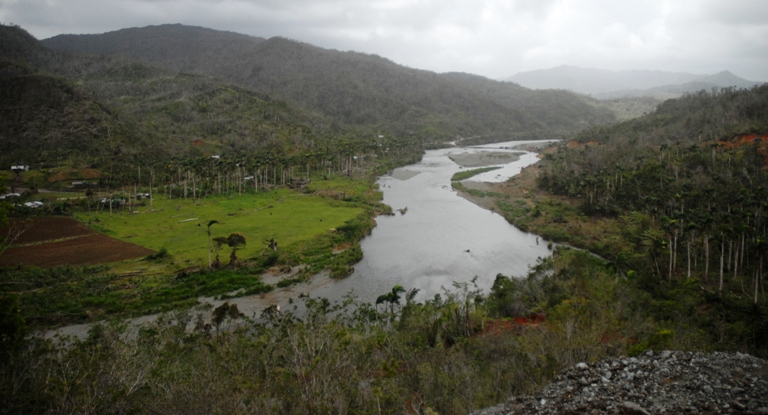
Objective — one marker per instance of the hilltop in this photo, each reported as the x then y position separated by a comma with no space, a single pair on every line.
353,88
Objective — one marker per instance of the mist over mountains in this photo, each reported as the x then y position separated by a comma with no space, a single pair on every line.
166,86
353,88
605,84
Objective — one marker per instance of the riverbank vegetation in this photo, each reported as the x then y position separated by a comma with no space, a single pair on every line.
466,174
673,202
676,201
449,354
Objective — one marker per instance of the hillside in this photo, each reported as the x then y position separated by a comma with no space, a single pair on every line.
91,110
353,88
605,84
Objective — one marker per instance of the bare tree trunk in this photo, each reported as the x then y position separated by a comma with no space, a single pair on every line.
757,279
689,257
706,259
674,258
722,260
671,258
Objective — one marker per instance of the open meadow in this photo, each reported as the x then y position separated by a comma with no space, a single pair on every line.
181,225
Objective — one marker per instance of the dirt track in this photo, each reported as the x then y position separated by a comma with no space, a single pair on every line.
57,241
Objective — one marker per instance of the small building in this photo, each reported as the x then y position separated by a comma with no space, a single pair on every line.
19,168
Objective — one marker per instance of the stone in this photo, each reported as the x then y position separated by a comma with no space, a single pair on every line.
667,382
631,408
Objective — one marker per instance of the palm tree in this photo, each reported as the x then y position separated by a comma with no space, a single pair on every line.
213,222
392,297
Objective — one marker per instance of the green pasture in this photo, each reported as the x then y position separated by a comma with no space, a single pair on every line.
180,225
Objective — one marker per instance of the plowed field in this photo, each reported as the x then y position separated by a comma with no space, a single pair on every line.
54,241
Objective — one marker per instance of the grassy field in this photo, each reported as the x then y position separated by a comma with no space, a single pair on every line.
180,225
319,228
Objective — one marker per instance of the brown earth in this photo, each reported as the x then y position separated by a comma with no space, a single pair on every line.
45,229
57,241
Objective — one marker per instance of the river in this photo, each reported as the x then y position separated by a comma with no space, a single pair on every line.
442,238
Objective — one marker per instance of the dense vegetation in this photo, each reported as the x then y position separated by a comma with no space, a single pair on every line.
674,201
450,354
677,201
353,89
697,188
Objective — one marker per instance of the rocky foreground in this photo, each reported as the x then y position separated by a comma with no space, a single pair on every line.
655,383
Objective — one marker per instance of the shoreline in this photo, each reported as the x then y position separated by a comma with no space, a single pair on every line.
251,306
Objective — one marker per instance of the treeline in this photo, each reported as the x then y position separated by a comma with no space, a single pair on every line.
691,179
122,116
355,89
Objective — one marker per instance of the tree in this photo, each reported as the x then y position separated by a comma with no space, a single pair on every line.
218,242
392,297
213,222
13,328
235,240
223,312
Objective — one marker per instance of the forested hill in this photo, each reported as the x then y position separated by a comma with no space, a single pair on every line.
111,111
695,118
693,176
353,88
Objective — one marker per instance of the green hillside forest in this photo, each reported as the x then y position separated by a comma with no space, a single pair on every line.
229,158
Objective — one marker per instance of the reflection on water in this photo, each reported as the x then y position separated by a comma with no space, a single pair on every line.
442,238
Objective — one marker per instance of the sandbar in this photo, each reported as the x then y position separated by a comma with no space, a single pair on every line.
483,159
404,174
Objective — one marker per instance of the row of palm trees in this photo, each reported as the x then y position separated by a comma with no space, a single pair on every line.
235,172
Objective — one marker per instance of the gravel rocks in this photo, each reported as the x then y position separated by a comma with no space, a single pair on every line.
654,383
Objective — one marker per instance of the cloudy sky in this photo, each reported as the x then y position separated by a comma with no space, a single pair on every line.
493,38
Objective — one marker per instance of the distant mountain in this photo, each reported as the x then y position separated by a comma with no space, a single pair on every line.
176,47
351,88
605,84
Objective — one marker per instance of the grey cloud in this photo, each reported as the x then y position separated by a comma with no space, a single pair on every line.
495,38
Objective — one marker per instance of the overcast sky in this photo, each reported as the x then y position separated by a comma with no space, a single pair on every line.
493,38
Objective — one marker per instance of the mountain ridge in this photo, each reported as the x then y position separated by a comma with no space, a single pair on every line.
354,88
607,84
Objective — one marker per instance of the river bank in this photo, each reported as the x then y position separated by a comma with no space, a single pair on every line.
414,249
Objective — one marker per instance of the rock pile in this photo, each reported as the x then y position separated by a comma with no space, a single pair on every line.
654,383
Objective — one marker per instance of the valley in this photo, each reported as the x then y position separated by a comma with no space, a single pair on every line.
232,224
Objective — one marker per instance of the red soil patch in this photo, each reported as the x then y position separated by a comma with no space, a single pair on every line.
746,139
575,144
45,229
85,246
